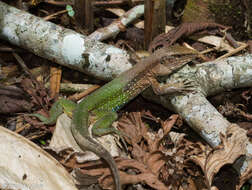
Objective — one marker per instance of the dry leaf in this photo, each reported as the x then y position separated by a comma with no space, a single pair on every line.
24,165
233,146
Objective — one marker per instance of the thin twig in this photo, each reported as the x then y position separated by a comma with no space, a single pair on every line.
232,52
49,17
22,64
97,3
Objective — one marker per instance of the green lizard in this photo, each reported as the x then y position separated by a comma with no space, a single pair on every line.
100,107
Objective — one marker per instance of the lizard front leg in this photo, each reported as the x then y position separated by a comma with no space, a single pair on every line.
169,68
170,88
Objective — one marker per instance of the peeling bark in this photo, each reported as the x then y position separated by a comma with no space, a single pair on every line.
61,45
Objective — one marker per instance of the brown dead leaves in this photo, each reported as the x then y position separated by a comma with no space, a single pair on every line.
144,147
13,100
233,146
162,159
151,159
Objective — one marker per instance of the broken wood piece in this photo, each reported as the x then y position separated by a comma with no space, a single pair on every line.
84,14
154,20
55,78
248,16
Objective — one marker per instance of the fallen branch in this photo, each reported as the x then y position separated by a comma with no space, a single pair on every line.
61,45
210,78
118,25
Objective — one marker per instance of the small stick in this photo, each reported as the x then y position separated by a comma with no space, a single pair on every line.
84,93
55,78
97,3
49,17
232,52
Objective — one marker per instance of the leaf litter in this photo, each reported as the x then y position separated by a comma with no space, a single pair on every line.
161,159
150,159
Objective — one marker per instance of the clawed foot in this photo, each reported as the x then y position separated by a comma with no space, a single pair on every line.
188,86
184,86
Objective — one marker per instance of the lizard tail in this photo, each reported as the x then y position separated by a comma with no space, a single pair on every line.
87,143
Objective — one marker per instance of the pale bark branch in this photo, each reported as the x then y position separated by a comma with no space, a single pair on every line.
118,25
61,45
209,78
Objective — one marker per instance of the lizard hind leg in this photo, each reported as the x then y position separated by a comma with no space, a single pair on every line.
87,143
103,125
60,106
79,128
54,112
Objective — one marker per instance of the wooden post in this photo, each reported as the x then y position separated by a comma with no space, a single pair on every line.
248,15
154,19
84,14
